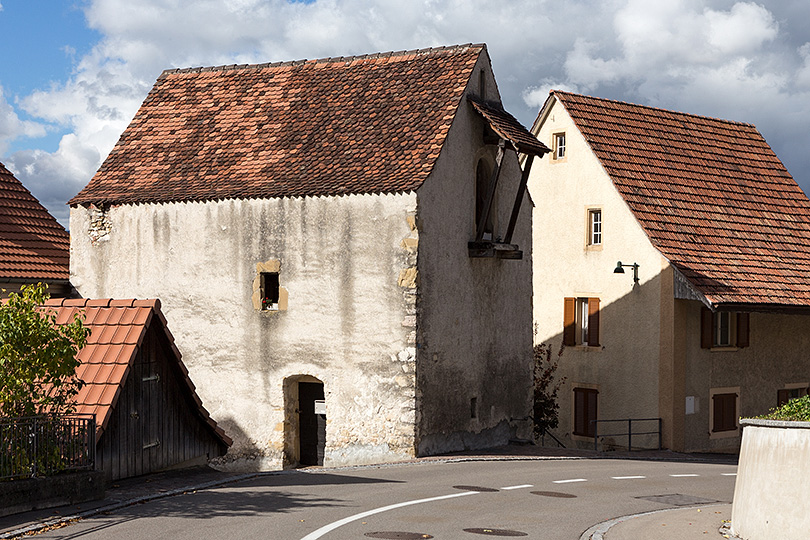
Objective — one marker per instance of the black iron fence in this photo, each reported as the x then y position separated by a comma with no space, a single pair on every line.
46,445
649,427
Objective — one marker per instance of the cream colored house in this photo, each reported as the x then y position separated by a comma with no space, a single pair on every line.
717,233
343,284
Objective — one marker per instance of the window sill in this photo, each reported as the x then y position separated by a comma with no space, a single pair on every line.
559,160
587,348
593,247
730,434
724,349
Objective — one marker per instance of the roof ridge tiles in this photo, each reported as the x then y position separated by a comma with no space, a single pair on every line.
652,108
327,60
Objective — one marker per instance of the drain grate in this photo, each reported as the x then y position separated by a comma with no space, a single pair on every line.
677,499
476,488
554,494
398,535
496,532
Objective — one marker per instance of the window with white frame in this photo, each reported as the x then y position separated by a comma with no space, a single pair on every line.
559,145
595,227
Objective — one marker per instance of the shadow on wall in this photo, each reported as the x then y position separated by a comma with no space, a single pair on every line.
619,377
244,455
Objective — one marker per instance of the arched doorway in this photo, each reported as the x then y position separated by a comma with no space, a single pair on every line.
305,410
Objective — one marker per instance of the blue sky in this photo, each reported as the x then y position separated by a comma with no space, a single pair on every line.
73,72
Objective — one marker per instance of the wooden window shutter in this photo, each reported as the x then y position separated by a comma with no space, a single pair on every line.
742,329
579,412
570,322
593,322
781,397
706,328
725,412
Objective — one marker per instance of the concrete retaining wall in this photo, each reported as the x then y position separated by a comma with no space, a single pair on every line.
773,480
38,493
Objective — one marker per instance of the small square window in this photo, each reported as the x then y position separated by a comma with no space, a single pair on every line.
269,290
595,227
559,146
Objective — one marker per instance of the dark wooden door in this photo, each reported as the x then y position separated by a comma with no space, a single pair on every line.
312,427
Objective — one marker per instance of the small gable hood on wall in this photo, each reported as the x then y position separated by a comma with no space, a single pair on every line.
334,126
712,197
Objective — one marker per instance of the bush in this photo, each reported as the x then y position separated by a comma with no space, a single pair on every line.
794,410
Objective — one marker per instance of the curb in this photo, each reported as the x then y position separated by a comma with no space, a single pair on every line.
598,531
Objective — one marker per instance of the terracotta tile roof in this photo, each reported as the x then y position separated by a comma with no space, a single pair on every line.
33,245
363,124
507,127
117,329
711,195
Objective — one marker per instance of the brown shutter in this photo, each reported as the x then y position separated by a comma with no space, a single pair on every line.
593,322
742,329
591,414
725,412
579,412
706,328
781,397
570,322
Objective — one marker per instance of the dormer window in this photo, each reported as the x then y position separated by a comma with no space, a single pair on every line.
559,146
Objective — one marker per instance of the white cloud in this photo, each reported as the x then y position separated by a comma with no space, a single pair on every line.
716,57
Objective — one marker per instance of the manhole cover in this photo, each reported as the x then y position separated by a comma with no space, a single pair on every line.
554,494
676,499
398,535
496,532
475,488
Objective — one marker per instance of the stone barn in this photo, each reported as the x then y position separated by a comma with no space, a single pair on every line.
342,248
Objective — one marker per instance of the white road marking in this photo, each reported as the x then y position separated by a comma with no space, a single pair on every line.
569,481
683,475
729,474
628,477
334,525
517,487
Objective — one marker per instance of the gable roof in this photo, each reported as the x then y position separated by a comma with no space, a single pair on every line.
712,197
33,245
117,330
362,124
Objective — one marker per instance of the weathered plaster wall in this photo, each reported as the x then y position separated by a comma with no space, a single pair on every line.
347,322
625,368
474,318
776,357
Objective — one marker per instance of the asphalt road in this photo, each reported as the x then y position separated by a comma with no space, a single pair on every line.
548,499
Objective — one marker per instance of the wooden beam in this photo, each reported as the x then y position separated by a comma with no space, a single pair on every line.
493,182
524,179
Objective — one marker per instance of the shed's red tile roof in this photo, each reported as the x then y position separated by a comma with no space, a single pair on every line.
117,329
711,195
364,124
33,245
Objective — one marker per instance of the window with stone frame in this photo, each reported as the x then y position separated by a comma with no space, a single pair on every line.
724,329
581,321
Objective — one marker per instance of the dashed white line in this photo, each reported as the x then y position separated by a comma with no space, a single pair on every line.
683,475
729,474
517,487
569,481
628,477
334,525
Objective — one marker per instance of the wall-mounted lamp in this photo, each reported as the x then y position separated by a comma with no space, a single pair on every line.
620,270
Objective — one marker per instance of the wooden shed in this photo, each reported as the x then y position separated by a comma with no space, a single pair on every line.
148,414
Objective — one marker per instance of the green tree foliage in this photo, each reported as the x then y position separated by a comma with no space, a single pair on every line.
546,408
796,410
37,357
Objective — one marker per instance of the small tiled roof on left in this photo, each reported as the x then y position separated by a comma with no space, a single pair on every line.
117,329
33,245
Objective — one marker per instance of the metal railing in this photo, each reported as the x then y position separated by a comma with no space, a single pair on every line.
550,434
629,433
46,445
